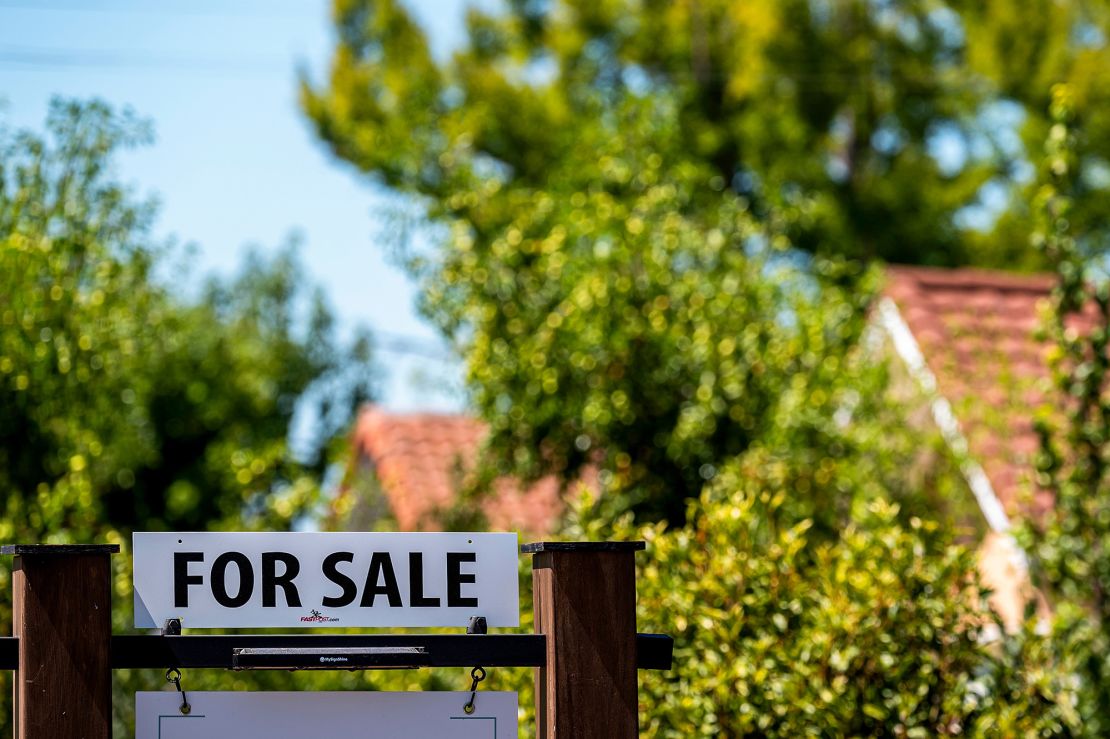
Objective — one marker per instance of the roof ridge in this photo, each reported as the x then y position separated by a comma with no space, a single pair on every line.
973,277
374,409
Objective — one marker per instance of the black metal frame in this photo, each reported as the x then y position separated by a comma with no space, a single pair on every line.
141,651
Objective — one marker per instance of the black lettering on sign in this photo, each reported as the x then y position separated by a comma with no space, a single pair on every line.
416,583
381,566
271,581
456,577
332,573
181,577
219,577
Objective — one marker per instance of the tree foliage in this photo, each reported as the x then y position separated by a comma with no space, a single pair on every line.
904,131
616,310
123,402
834,112
1023,51
624,197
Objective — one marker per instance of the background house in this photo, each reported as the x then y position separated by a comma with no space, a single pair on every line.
966,339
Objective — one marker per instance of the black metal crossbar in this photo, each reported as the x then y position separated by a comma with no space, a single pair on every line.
392,650
323,651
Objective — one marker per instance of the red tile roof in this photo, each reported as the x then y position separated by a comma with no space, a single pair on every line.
975,329
422,459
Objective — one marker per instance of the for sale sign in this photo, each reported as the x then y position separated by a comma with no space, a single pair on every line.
215,580
287,715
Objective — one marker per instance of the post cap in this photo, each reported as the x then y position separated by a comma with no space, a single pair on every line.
582,546
40,549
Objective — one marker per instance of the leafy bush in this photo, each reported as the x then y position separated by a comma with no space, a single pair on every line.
783,632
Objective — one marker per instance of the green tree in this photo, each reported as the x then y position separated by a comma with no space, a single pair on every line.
125,404
1020,51
832,111
635,321
624,201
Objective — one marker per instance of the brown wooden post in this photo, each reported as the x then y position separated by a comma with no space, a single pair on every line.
584,597
63,618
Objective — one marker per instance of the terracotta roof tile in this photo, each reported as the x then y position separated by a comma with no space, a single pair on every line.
976,332
422,459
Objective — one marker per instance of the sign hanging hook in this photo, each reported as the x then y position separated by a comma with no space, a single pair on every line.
478,675
173,675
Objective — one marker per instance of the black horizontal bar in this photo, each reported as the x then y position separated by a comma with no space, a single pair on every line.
142,651
440,650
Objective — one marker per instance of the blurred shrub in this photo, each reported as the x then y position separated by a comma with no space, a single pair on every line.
783,632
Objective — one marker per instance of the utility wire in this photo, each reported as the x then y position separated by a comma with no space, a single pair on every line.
223,11
122,60
394,343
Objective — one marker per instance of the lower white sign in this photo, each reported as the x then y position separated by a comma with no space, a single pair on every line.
297,715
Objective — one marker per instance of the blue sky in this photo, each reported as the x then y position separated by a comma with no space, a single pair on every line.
235,163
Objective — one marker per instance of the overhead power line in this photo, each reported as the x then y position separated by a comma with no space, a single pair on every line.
394,343
222,11
124,60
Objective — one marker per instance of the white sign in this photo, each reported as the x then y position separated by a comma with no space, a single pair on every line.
244,580
416,715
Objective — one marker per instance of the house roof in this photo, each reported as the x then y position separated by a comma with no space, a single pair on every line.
976,332
422,459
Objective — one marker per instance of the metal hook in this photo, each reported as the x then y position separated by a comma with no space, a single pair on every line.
478,675
173,675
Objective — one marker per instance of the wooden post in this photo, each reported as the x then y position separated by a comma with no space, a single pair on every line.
63,617
584,596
